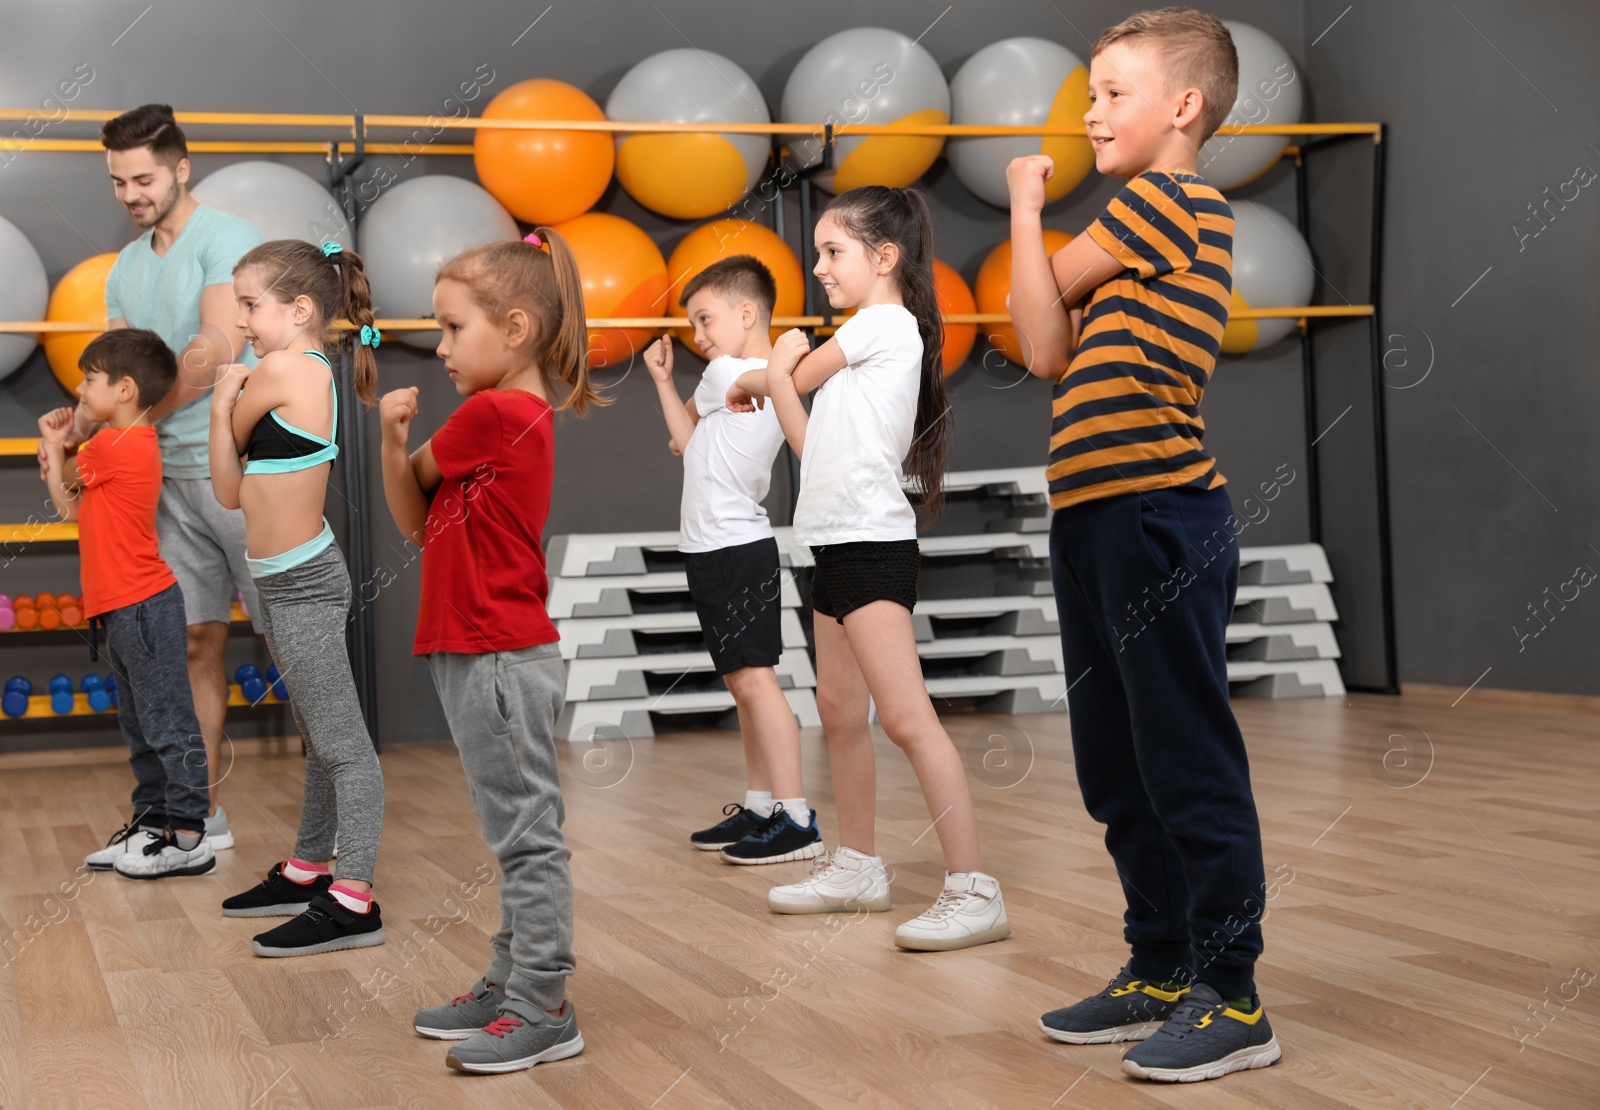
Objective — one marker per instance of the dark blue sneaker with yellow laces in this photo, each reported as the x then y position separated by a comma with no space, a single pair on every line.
740,823
778,840
1129,1009
1205,1038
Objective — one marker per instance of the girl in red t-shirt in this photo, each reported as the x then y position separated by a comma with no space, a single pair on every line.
474,498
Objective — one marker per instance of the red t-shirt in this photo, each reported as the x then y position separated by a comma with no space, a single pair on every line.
483,577
120,471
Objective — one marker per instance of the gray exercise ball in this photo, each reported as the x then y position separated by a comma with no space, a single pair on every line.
280,201
866,75
1270,92
24,294
1020,82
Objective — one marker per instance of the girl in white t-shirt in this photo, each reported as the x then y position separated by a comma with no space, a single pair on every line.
879,411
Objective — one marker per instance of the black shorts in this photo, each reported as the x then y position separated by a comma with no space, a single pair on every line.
850,575
737,593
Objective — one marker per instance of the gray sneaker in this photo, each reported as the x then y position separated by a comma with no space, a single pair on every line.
462,1016
519,1038
217,833
1128,1009
1205,1038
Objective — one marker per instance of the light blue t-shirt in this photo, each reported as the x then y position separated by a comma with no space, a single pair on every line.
162,294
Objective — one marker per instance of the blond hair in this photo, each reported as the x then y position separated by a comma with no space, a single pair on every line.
1196,51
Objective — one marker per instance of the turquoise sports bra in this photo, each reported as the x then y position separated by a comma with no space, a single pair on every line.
278,447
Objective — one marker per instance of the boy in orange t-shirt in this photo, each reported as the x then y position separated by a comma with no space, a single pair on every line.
111,488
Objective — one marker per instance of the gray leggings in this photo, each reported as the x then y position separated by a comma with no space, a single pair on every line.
304,611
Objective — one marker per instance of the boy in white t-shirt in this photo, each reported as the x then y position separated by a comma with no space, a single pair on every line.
731,556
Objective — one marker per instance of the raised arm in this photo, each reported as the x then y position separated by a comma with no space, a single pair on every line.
1045,290
795,368
408,477
227,474
61,472
681,418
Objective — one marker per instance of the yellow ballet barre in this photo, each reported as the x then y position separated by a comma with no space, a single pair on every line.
476,123
425,323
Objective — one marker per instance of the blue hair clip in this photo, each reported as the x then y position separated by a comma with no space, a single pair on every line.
370,336
330,249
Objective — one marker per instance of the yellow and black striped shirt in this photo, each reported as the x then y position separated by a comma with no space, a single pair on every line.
1126,414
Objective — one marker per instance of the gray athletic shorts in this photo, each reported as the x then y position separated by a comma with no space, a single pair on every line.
203,543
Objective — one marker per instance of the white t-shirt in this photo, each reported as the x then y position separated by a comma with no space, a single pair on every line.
861,427
727,465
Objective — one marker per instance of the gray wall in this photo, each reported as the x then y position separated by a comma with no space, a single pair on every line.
612,472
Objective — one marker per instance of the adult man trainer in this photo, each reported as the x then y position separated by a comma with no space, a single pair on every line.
176,279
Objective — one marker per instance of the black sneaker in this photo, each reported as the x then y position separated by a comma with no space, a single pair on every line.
778,840
1205,1038
275,896
1128,1009
325,926
741,823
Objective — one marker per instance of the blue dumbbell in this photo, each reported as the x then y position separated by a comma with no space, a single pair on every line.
245,671
60,684
111,687
91,683
279,690
99,699
15,702
61,701
17,682
254,690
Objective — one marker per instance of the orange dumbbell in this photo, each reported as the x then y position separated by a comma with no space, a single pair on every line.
71,611
44,600
27,618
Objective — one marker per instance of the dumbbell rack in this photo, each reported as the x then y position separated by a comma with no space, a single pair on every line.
632,641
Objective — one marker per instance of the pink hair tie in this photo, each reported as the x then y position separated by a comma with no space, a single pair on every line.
532,239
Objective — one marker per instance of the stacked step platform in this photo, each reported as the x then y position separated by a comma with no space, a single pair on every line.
986,620
632,642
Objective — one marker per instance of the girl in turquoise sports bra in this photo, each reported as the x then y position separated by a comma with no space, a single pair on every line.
274,433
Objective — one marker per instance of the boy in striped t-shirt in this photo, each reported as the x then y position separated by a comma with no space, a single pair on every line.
1127,320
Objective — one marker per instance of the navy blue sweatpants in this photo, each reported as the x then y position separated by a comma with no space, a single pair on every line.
1144,587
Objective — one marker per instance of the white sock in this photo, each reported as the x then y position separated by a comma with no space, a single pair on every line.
187,839
760,801
353,900
798,811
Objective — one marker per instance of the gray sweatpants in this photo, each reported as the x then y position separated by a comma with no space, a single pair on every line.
502,708
304,610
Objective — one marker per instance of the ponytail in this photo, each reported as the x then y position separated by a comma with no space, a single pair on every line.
356,306
875,215
566,356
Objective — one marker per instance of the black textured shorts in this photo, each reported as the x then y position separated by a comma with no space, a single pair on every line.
850,575
737,595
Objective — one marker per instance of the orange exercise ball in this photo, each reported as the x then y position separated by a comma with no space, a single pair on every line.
79,295
954,297
543,176
623,274
994,285
711,243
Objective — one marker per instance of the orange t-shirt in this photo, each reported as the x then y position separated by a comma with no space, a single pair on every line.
120,471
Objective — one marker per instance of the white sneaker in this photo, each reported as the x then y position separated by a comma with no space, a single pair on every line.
129,838
162,858
845,880
968,911
217,832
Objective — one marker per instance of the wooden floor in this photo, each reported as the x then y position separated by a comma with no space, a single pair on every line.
1433,939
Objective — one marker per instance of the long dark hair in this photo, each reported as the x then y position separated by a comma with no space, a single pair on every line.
875,215
544,283
336,284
